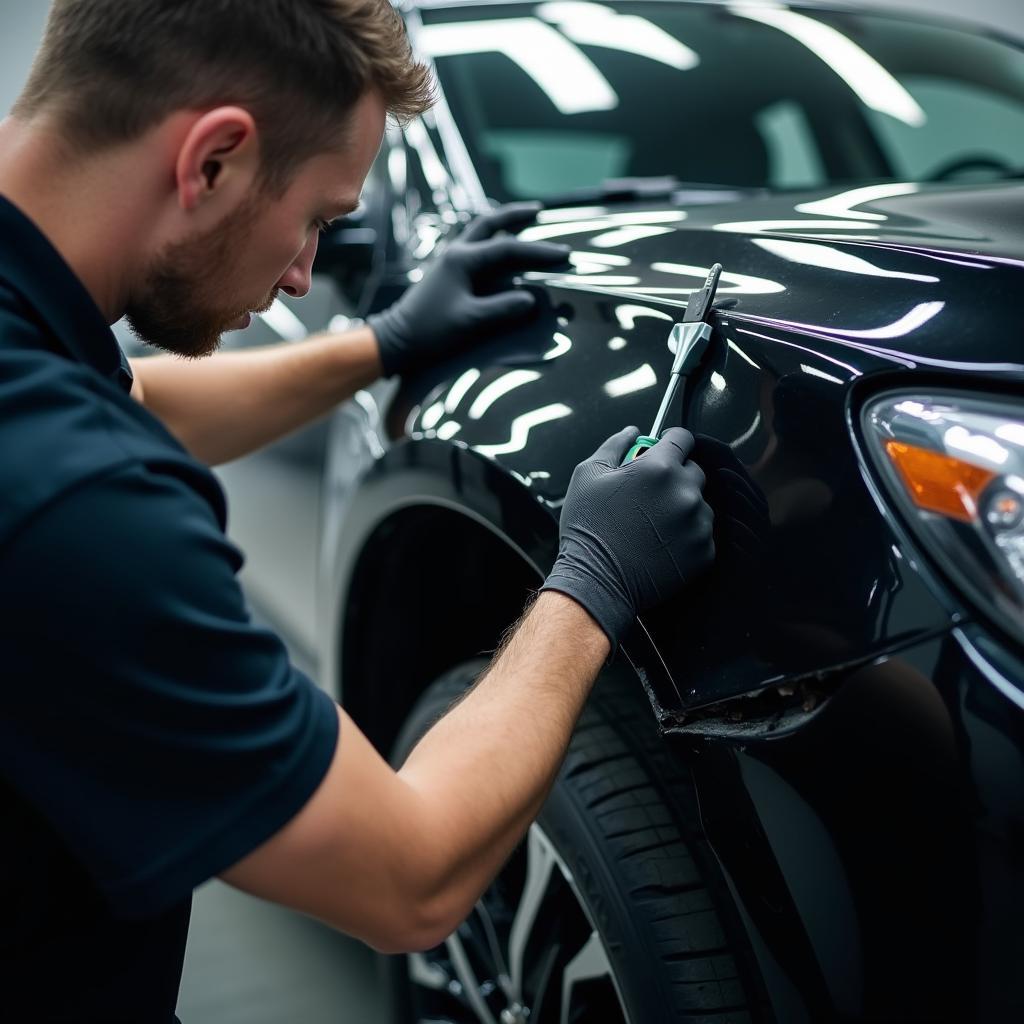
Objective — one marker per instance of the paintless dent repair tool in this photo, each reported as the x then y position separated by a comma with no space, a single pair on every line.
690,339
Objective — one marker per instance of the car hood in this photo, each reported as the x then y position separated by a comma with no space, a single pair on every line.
932,273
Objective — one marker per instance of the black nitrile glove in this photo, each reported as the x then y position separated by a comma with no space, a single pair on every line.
448,309
632,535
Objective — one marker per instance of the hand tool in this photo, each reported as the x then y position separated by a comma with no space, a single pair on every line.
690,339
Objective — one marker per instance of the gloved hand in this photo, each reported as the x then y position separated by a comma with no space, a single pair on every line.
631,536
448,308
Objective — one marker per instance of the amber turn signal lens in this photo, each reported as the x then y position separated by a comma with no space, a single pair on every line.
940,483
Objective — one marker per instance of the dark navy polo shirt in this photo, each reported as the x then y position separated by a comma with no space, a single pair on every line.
150,735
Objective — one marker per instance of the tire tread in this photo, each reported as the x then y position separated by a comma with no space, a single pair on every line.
617,753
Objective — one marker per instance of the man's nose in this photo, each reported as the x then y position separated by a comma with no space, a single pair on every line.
297,279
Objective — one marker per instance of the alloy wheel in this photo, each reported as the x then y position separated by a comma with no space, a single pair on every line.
527,954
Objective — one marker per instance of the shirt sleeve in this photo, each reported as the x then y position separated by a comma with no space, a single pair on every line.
161,733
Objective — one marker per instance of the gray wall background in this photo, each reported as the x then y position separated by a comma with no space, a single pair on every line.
21,26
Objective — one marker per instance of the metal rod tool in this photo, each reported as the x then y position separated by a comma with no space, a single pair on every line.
689,339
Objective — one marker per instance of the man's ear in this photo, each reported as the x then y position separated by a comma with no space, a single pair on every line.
218,160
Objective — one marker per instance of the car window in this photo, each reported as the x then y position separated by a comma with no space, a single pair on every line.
567,93
988,129
794,160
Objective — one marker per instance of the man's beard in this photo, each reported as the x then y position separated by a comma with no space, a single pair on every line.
176,309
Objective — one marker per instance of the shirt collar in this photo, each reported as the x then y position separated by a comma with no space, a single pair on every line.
33,268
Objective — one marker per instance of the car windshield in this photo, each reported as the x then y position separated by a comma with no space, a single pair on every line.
564,95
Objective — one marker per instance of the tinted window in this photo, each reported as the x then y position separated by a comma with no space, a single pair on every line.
565,94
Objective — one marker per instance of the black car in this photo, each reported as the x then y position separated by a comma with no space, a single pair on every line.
798,792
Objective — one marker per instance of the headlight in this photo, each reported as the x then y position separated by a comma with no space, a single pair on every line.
955,465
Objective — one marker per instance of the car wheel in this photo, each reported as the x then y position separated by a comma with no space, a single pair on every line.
601,915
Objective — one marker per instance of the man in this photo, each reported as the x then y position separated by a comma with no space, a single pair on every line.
172,161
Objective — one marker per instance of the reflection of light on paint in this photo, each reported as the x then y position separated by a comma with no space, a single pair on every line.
521,427
753,227
815,372
623,236
962,440
596,262
748,433
567,76
366,402
459,389
280,319
606,259
570,214
616,343
628,314
562,345
743,355
540,232
861,72
592,24
448,430
814,254
717,381
814,353
909,322
842,205
432,416
556,223
588,282
729,282
498,388
640,378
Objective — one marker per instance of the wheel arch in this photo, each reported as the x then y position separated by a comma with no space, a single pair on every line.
432,587
439,552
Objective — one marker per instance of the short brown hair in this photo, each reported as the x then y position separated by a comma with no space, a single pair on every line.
112,69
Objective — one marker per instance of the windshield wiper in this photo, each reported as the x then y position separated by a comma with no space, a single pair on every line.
629,190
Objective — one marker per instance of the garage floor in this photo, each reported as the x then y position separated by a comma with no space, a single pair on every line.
250,962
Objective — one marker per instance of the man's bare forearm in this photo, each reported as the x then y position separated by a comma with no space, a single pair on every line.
233,403
483,772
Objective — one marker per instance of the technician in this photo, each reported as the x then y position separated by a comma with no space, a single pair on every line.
172,161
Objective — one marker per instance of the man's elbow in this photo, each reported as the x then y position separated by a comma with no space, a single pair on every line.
420,924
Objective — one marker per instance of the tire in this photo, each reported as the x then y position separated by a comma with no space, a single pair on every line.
624,930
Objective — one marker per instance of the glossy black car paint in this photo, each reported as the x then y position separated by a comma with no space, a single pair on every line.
855,730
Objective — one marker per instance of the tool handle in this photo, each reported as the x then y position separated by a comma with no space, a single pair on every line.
640,445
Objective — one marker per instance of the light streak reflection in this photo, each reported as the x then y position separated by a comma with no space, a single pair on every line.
637,380
499,388
520,430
